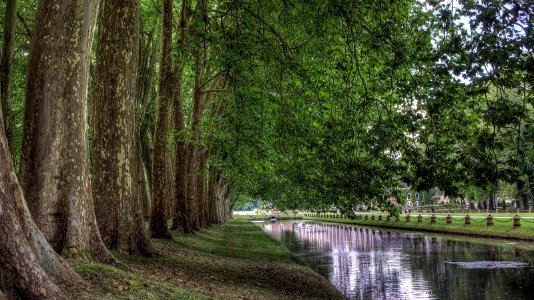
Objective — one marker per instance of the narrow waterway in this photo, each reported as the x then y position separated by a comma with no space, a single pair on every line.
366,263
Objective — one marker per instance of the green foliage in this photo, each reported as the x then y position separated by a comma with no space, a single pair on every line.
21,49
333,102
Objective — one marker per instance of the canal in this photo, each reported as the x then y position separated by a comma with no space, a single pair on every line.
366,263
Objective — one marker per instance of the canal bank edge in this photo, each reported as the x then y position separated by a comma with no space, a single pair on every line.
498,230
236,260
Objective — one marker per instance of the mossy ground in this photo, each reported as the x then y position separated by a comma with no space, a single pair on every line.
233,261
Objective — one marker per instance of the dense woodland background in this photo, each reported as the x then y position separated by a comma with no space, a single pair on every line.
116,113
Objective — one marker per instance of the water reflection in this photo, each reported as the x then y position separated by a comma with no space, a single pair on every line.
366,263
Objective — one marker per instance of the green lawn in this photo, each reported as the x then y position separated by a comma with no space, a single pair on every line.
463,214
263,217
233,261
502,227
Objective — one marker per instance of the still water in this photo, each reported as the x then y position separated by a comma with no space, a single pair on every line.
366,263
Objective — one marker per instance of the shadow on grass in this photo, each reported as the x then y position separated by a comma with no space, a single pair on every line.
233,261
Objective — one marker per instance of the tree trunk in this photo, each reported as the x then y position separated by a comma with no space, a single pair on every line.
171,174
145,70
522,193
192,207
181,217
54,166
210,197
492,199
147,163
218,198
5,69
140,234
212,182
28,265
193,155
115,147
142,181
158,219
201,186
144,91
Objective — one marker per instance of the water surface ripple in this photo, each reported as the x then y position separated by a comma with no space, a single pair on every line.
366,263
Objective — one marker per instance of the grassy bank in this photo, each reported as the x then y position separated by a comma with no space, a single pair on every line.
502,227
233,261
280,217
473,213
260,216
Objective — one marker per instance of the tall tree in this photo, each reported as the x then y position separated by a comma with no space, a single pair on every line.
181,217
6,65
114,171
192,152
219,203
148,55
201,188
54,165
30,268
158,219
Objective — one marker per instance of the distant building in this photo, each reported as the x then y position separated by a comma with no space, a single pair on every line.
441,198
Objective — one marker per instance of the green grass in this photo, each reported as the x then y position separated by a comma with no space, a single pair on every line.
263,217
502,228
233,261
109,282
463,214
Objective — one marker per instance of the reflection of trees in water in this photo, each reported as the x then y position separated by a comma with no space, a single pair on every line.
371,264
361,262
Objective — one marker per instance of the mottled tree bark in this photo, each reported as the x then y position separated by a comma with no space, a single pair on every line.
28,265
209,198
146,156
54,165
193,155
192,205
212,201
202,153
171,174
142,181
181,217
219,205
158,219
141,237
148,58
201,186
6,66
145,69
115,190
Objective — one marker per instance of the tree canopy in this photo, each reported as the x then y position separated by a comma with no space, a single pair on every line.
308,104
335,101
